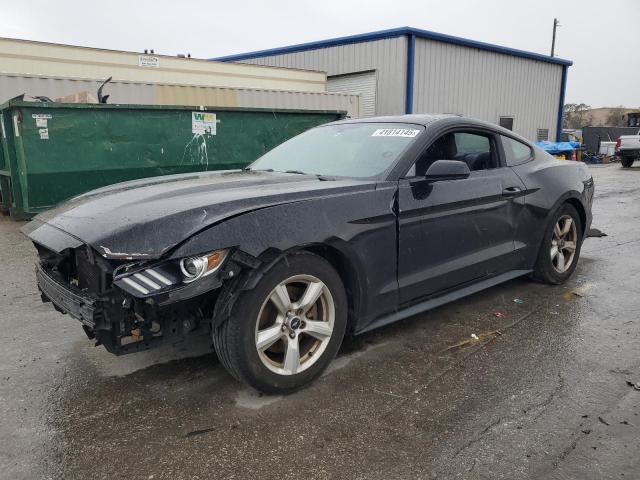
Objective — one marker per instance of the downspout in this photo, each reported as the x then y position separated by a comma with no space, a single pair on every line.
411,49
563,88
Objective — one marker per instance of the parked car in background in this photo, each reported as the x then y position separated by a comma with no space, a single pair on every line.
628,149
347,227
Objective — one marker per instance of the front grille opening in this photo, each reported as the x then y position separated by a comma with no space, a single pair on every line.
88,275
61,265
76,268
91,276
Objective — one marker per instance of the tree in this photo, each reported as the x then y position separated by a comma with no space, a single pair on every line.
575,115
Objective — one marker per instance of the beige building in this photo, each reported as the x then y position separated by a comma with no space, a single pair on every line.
54,71
65,61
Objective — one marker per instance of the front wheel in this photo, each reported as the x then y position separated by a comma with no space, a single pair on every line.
283,333
560,248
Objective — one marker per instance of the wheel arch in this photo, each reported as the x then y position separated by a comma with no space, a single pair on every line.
335,256
348,274
577,204
574,201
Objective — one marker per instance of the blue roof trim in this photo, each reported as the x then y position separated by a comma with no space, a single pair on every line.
392,33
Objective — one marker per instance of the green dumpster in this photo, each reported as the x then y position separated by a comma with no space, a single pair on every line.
53,151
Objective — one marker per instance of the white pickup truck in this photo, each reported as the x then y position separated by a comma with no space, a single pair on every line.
628,149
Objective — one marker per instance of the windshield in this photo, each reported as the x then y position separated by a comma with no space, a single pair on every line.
343,150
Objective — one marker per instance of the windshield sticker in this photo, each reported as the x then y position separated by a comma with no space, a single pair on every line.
395,132
202,123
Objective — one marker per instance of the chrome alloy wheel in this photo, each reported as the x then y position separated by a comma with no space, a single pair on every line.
563,243
295,324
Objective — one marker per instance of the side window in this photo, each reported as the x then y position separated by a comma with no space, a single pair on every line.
472,143
515,152
477,150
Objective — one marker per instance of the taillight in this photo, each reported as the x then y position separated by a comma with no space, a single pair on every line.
618,142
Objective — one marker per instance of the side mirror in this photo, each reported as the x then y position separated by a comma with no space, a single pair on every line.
447,170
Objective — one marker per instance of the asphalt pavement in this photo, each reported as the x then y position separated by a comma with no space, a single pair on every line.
542,393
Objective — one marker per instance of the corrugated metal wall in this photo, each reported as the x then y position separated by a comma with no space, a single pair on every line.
447,79
121,92
486,85
388,57
363,84
159,94
256,98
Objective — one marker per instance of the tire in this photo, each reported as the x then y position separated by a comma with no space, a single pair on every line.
242,342
548,267
626,161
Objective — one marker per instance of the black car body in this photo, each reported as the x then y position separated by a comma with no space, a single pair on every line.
402,241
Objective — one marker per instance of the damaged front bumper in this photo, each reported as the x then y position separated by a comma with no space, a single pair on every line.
130,304
81,285
80,307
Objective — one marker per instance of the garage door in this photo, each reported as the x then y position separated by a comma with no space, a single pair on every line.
363,83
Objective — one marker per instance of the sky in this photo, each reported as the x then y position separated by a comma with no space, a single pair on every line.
601,38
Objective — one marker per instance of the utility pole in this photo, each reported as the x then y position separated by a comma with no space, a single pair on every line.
556,24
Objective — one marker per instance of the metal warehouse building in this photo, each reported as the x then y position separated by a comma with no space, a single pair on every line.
407,70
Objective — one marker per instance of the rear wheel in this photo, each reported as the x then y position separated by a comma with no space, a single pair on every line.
560,248
626,161
282,334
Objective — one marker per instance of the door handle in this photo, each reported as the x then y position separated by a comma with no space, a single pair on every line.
511,192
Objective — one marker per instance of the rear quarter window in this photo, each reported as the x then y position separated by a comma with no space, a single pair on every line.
515,152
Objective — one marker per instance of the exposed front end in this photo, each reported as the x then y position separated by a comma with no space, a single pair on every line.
131,306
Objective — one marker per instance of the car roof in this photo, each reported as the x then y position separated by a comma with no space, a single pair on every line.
427,119
419,119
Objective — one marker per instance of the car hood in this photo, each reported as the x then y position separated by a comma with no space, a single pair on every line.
143,219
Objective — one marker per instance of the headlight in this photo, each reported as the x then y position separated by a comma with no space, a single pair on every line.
193,268
141,281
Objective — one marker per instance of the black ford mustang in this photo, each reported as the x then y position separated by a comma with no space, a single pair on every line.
345,228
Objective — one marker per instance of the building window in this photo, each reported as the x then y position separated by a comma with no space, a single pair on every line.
506,122
543,134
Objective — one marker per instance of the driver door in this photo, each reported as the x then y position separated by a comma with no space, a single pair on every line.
453,232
